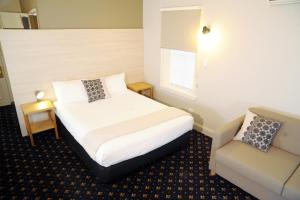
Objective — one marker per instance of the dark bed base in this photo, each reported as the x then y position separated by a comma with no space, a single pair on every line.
113,172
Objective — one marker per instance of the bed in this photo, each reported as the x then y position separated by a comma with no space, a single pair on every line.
82,123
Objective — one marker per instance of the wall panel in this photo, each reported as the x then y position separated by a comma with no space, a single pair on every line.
35,58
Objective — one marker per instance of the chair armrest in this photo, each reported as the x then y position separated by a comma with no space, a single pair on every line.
227,132
223,136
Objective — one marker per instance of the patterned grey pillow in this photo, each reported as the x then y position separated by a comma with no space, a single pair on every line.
94,89
261,132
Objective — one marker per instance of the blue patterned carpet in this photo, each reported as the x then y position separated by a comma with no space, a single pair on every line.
52,171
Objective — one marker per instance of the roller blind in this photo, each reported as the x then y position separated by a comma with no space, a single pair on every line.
179,29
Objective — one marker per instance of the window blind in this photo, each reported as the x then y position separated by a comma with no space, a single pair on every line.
179,29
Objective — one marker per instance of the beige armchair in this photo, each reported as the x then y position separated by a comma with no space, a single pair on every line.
271,175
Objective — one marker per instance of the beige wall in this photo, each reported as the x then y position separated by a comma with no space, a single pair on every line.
28,5
57,14
10,6
35,58
256,63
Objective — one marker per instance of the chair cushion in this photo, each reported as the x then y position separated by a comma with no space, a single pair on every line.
292,187
271,169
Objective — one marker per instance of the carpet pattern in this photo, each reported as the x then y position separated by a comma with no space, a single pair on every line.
52,171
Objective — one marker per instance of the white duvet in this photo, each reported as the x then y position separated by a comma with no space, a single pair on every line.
82,117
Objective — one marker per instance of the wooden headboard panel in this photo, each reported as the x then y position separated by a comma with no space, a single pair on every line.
35,58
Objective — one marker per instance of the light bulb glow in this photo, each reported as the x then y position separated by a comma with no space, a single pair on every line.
42,105
208,41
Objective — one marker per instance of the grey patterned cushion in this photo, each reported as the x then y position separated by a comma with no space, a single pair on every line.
261,132
94,89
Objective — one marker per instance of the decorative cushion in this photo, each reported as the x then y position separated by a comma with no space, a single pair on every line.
95,90
259,132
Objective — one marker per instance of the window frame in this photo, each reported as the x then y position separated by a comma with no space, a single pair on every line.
164,79
165,82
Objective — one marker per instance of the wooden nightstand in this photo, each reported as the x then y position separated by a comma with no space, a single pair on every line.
36,127
142,88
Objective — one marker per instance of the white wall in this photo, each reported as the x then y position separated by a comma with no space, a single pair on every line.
256,63
35,58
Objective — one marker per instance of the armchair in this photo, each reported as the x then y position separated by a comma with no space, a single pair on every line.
266,175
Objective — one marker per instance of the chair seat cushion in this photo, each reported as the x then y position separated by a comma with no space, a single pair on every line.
271,169
292,187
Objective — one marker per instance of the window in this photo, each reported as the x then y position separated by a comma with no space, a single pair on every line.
181,67
179,29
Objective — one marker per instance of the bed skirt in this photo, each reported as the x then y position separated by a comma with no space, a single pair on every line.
116,171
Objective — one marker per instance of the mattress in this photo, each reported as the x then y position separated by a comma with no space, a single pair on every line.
80,118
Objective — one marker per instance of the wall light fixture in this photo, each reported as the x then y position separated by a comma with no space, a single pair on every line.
205,30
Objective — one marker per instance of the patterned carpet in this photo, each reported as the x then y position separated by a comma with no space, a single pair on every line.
52,171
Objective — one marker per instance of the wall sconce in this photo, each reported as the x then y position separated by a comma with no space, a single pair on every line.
205,30
39,94
208,38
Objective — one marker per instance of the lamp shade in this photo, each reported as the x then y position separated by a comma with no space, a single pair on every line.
39,94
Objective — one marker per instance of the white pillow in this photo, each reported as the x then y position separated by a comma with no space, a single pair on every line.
69,91
249,117
115,84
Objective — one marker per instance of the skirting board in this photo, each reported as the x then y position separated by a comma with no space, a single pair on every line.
205,130
198,127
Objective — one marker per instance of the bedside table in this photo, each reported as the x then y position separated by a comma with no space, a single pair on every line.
36,127
143,88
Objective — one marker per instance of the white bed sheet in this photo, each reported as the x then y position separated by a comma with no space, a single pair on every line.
79,118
